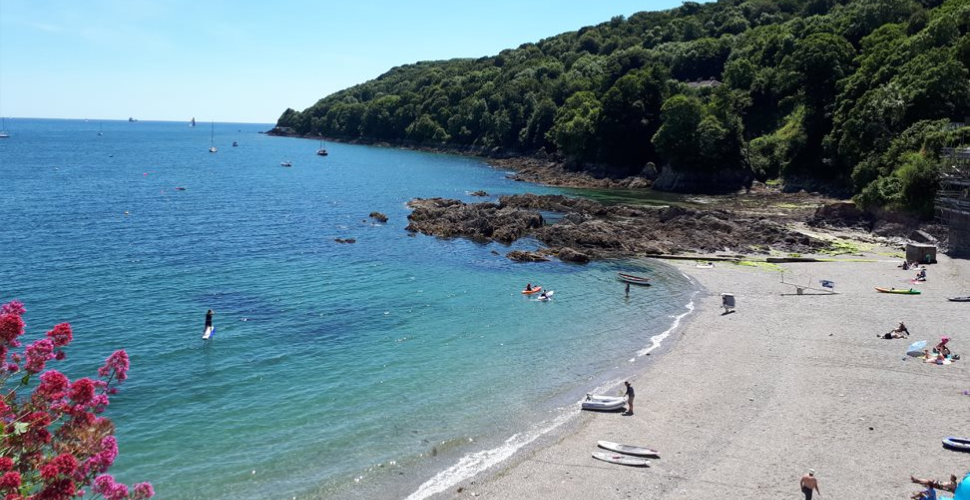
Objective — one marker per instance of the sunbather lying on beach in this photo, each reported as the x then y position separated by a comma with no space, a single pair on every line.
950,485
897,333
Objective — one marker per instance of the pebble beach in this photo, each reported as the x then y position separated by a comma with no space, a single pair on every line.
743,404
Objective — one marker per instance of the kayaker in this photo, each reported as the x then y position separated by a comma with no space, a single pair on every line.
528,287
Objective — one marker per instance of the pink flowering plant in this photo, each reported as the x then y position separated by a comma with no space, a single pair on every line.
54,442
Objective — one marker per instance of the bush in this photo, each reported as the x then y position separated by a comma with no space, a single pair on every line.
53,442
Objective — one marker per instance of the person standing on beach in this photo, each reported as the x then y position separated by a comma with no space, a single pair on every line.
629,398
809,483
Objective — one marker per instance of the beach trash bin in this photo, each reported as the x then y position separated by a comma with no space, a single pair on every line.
727,301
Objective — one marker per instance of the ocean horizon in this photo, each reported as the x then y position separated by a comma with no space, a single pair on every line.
387,368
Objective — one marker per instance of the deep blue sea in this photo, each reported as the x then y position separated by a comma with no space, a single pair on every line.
388,368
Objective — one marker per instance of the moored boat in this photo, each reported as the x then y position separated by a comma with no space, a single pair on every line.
629,278
959,299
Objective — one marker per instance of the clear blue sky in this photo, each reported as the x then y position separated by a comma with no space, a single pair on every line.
247,61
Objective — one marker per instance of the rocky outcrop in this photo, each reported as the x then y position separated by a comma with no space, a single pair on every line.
590,230
520,256
841,214
379,217
720,182
479,193
569,255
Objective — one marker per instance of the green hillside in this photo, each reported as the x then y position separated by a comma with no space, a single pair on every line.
848,96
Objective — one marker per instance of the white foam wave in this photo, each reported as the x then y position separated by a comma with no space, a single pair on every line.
656,340
473,463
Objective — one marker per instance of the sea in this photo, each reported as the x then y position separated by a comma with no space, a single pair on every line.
394,366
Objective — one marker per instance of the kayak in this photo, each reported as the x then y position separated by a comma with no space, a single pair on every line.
959,299
603,403
613,458
535,289
904,291
958,444
628,449
629,278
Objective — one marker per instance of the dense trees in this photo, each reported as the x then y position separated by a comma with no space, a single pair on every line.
840,93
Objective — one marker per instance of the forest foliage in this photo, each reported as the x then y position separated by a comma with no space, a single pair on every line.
849,96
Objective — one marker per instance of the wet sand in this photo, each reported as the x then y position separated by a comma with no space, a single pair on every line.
743,404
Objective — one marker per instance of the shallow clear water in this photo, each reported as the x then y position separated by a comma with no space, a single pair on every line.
337,370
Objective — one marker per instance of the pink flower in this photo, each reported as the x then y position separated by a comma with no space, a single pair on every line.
103,484
62,489
117,363
82,391
15,307
6,463
11,327
61,334
143,491
38,354
10,481
53,385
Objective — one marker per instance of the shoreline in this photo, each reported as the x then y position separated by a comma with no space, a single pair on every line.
753,399
563,420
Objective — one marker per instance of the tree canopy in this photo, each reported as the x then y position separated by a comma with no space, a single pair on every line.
819,90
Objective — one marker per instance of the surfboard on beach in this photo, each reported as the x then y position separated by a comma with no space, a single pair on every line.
614,458
207,333
628,449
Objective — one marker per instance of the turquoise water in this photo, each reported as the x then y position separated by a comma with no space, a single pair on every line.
387,368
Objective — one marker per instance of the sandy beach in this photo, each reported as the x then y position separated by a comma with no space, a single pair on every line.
744,404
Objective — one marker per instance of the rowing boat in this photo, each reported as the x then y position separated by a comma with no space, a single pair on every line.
629,278
959,299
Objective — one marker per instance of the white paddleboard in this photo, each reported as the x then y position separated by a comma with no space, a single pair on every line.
628,449
208,332
613,458
547,297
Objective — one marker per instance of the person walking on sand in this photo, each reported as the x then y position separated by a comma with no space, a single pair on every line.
629,398
808,484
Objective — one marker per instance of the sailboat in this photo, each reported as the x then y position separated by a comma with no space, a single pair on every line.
3,129
192,123
212,135
322,151
101,130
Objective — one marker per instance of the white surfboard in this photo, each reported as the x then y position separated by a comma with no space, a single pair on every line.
614,458
208,332
628,449
548,296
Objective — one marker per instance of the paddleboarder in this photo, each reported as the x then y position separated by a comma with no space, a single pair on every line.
208,321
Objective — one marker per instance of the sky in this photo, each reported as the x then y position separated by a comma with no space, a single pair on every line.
247,60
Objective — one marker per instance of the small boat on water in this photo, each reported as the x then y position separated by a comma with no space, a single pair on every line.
322,151
902,291
235,144
535,289
286,164
3,129
959,299
629,278
603,403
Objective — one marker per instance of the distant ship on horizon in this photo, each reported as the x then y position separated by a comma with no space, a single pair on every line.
192,123
130,119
